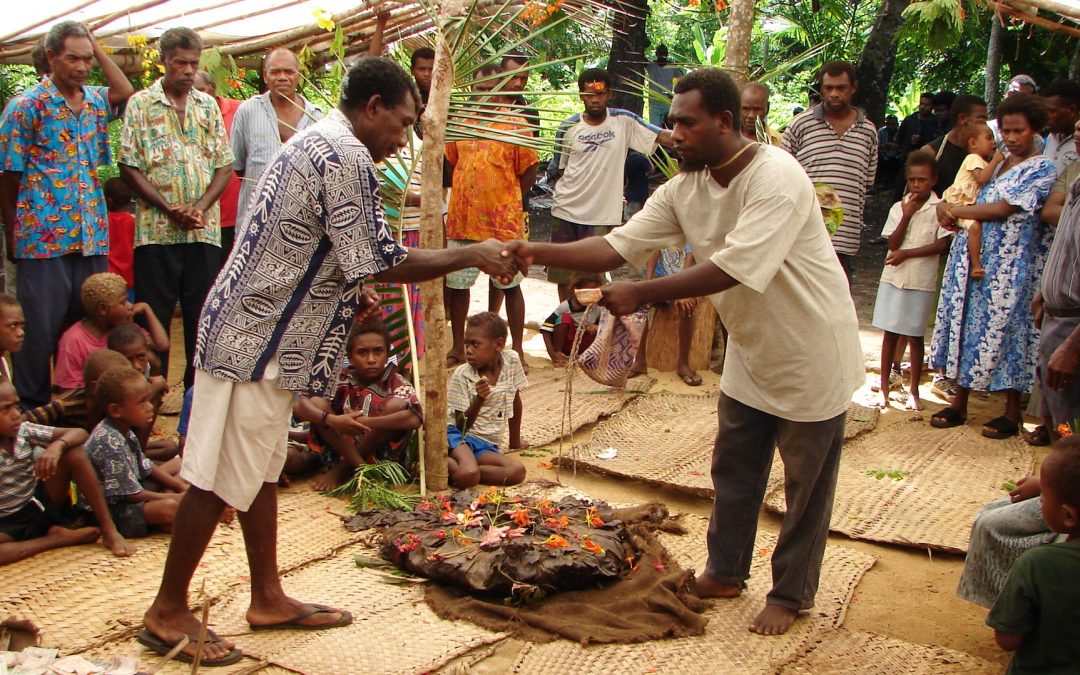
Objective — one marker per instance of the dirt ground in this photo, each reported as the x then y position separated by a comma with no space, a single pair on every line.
908,594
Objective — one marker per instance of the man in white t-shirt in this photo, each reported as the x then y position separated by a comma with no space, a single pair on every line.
590,153
750,215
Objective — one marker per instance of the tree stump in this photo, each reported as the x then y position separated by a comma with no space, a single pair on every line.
663,344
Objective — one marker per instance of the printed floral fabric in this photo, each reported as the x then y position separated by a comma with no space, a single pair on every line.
486,199
983,335
60,208
178,159
119,461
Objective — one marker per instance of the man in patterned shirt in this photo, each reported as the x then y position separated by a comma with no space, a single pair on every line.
175,155
275,324
54,139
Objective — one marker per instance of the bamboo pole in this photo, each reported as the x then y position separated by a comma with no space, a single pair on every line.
433,123
24,29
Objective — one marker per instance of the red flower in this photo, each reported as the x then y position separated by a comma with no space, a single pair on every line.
555,541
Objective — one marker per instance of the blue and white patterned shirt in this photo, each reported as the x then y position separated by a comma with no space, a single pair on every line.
119,461
291,286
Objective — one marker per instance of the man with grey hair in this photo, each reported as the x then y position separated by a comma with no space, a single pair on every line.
755,113
175,155
264,122
51,196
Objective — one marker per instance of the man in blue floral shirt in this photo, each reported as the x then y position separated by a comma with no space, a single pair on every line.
52,142
275,323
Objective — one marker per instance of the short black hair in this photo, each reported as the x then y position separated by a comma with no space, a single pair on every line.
372,324
927,94
891,117
593,75
97,362
122,335
114,384
1031,106
837,67
582,279
963,104
1065,481
426,53
9,301
923,158
1064,89
514,58
375,75
491,322
117,193
178,38
945,98
54,41
719,93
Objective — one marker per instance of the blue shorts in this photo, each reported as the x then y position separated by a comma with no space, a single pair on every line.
478,445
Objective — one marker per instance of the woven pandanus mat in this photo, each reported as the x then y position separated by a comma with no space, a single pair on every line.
148,660
727,646
667,439
542,402
393,631
845,652
83,596
919,486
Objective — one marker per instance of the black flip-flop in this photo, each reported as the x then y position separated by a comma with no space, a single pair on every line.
1000,428
161,648
294,623
947,418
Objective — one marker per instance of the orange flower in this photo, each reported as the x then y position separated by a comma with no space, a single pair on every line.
1064,430
547,508
557,523
593,519
592,547
521,517
555,541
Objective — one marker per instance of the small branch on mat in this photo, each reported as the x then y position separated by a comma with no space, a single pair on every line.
169,656
204,629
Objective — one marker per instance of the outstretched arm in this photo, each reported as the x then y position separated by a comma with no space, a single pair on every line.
422,264
588,255
704,278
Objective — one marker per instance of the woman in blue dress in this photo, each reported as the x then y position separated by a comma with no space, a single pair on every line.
984,335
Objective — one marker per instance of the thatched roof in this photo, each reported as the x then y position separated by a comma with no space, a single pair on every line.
239,28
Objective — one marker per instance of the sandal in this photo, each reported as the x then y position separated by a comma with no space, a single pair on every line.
947,418
1000,428
1039,436
160,647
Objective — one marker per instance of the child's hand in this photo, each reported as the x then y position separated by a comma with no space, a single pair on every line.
45,467
895,257
483,387
685,307
908,205
1026,488
348,424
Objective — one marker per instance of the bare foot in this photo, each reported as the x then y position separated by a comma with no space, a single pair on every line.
228,515
914,403
977,272
298,614
333,477
524,364
174,627
65,537
773,620
689,376
454,359
120,547
704,587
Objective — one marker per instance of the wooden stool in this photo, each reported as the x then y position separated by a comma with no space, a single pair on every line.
663,344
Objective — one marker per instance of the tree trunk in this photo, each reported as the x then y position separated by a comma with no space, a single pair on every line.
740,30
992,87
627,59
875,66
433,471
1074,65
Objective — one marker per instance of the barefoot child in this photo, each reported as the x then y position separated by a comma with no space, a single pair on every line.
560,329
78,407
976,171
664,263
1035,615
484,400
130,340
105,298
906,293
136,506
373,413
12,332
37,465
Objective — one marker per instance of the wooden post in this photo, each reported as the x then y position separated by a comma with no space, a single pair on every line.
435,475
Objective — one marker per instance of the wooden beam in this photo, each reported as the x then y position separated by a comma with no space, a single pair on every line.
24,29
1036,20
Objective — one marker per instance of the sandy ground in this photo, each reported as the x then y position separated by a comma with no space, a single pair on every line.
909,594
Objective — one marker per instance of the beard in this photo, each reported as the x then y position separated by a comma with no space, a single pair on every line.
691,165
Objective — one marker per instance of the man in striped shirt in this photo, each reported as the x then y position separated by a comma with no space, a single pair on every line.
837,145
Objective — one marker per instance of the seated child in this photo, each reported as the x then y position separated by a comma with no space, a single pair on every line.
12,332
37,465
135,504
906,294
666,263
130,340
976,171
78,407
105,298
121,230
373,414
484,400
1035,614
561,327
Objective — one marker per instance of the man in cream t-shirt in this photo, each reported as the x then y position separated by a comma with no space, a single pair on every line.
750,215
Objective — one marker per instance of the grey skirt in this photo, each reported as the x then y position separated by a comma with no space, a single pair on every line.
902,310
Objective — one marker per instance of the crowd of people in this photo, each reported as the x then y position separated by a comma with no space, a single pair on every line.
263,220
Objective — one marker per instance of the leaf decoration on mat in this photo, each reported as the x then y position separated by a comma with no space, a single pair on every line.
894,474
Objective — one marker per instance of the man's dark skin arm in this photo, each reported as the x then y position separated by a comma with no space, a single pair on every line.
423,264
141,186
222,176
9,195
